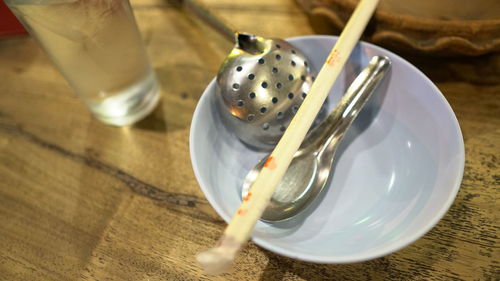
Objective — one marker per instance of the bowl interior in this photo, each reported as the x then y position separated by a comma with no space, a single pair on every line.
395,174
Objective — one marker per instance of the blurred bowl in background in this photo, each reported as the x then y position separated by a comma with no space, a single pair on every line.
443,28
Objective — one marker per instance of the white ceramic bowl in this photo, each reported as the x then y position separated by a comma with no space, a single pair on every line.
395,175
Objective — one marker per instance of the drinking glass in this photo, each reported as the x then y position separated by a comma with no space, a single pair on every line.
97,46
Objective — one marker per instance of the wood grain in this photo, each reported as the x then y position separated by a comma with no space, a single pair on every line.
80,200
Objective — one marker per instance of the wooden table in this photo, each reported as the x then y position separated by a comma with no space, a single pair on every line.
80,200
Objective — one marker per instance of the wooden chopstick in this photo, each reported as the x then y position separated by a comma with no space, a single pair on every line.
219,259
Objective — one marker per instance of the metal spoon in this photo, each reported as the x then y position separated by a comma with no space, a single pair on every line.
261,83
310,168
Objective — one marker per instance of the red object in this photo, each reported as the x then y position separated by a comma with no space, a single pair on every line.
9,25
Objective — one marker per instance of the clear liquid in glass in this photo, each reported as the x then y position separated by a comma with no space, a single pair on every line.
97,47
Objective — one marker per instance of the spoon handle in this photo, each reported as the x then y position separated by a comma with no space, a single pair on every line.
211,19
329,133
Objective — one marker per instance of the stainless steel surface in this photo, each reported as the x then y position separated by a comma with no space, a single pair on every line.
261,83
310,168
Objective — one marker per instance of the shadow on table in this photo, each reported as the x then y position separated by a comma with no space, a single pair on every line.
155,121
415,262
282,268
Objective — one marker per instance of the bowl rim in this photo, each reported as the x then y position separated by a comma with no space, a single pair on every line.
383,251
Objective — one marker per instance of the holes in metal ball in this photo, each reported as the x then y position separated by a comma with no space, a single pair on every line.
236,86
302,77
290,95
290,77
240,103
304,95
239,68
295,108
279,115
265,126
305,63
263,109
264,84
275,70
278,57
293,52
250,117
278,46
293,63
279,85
251,76
275,100
282,128
261,61
251,95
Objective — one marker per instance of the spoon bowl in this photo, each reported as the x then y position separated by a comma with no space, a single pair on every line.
294,192
310,168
